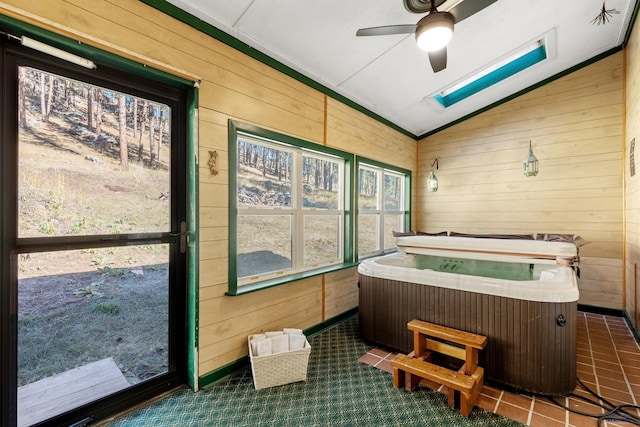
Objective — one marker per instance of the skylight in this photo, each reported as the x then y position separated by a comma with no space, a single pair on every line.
522,59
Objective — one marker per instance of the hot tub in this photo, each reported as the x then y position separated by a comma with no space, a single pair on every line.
521,294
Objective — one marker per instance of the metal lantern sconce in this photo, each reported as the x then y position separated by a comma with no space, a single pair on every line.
432,181
530,164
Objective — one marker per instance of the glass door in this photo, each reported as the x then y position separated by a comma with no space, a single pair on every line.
97,254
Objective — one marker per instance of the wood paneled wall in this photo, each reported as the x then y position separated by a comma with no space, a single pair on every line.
238,87
576,126
632,183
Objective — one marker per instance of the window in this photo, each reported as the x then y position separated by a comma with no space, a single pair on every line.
291,201
383,206
526,56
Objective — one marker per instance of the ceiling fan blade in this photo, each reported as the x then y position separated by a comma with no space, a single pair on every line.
467,8
387,30
438,59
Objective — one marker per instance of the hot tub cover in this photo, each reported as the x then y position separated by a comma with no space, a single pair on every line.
515,250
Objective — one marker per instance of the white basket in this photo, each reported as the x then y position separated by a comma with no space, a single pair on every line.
281,368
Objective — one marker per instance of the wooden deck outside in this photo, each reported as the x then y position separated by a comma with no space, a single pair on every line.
55,395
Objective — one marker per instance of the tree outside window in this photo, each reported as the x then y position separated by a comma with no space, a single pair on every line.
291,207
383,206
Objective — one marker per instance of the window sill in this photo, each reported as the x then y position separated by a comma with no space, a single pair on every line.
265,284
377,254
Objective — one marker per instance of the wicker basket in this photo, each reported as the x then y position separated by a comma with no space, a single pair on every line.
281,368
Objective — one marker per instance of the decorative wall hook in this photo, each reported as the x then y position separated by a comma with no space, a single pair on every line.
213,162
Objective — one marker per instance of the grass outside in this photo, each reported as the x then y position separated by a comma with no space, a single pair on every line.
72,318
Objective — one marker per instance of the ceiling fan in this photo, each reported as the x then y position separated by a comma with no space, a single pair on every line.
434,30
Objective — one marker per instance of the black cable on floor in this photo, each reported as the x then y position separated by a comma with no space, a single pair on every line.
613,412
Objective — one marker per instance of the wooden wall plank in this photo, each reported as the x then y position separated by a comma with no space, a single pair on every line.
600,281
213,272
233,307
341,292
632,182
255,319
277,316
232,349
208,234
351,130
576,125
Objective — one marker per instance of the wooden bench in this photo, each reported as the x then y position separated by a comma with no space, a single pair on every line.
464,385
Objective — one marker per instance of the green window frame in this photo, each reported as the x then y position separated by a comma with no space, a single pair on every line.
284,225
380,213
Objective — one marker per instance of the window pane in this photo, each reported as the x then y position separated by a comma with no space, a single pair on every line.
320,183
264,244
264,175
86,308
92,161
392,222
367,233
393,192
321,238
368,194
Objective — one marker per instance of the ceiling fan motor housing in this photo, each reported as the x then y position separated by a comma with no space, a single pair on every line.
421,6
434,31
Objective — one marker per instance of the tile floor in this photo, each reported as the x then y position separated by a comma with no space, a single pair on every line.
608,363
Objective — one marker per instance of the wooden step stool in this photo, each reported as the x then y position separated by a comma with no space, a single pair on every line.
412,369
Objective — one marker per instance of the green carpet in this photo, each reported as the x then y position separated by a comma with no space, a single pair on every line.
339,391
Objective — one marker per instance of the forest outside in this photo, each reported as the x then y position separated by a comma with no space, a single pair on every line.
91,162
290,209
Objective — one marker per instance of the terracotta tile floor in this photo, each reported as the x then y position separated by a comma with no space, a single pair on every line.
608,362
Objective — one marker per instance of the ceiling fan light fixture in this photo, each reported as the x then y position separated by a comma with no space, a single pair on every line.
434,31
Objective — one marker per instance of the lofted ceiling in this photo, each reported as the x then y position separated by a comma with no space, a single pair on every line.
389,75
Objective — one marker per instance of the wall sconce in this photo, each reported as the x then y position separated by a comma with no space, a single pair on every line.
530,164
432,181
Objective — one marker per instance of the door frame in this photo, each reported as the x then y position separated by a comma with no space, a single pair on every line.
182,330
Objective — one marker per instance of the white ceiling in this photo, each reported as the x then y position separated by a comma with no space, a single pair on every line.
390,75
